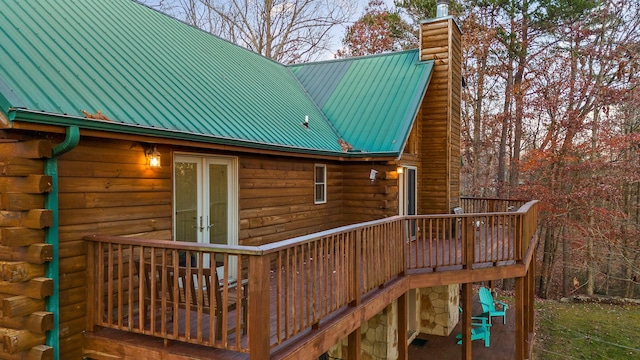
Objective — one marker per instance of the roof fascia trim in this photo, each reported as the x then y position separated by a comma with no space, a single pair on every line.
37,117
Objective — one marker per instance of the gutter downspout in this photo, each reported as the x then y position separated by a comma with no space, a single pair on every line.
51,203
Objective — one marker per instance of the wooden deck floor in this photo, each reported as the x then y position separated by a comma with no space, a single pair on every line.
436,347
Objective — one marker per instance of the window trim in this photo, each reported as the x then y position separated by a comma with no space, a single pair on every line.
323,200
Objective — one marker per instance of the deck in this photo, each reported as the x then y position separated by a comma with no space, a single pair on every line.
301,290
425,347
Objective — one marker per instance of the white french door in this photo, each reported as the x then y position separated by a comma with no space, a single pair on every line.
407,199
408,195
206,201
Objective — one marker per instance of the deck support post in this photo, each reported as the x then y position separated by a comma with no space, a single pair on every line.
354,342
530,301
403,324
520,318
259,299
467,293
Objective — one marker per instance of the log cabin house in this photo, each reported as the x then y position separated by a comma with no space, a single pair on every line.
275,211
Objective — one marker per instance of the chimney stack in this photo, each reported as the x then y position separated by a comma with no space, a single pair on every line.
442,8
440,42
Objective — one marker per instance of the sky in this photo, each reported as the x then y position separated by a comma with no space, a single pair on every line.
335,35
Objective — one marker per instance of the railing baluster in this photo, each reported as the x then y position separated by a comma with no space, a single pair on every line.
315,275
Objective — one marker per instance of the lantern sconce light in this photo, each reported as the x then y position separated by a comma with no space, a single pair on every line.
153,156
400,169
372,175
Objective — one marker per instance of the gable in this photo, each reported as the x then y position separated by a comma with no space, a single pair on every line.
372,100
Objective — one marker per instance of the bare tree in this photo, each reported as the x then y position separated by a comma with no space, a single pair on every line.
287,31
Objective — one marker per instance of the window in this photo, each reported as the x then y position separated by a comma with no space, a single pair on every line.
320,184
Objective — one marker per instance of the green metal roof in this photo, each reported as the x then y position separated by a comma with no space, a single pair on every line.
371,100
150,74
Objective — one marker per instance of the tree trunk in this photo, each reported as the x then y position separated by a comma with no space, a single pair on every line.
514,172
566,263
477,123
506,117
548,261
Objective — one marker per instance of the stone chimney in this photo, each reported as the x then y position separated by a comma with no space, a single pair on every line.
440,41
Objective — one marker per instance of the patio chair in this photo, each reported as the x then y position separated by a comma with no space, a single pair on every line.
489,306
197,298
479,331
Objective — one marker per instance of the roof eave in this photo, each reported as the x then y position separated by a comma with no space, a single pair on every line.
44,118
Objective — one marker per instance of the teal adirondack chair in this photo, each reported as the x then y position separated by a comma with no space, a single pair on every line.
479,331
489,306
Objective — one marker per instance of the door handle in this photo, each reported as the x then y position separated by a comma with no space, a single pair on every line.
210,224
201,227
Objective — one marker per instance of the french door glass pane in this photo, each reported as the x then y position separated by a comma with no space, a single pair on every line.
218,203
186,192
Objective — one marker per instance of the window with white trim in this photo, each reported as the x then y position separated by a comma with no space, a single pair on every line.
320,188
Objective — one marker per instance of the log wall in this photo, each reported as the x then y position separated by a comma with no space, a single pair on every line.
106,188
439,119
277,197
24,320
366,200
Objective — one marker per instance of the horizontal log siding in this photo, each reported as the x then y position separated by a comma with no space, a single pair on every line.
23,219
439,118
277,199
105,187
366,200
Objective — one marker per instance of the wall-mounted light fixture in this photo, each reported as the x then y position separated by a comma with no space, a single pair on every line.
400,169
372,175
153,156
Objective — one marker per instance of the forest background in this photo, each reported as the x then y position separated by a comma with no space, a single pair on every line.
550,108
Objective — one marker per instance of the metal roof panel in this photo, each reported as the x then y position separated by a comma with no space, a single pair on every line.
139,67
371,100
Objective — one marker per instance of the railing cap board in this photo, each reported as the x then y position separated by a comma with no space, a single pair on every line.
301,240
284,244
494,199
170,244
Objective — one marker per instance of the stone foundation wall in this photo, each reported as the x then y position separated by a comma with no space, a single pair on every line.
439,312
379,337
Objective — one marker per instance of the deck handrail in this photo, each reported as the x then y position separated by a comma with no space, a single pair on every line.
301,281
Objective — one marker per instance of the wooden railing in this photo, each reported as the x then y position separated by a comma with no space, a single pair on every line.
489,205
318,274
165,302
286,287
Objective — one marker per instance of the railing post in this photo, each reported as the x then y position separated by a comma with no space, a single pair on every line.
259,300
356,272
469,244
517,238
91,283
